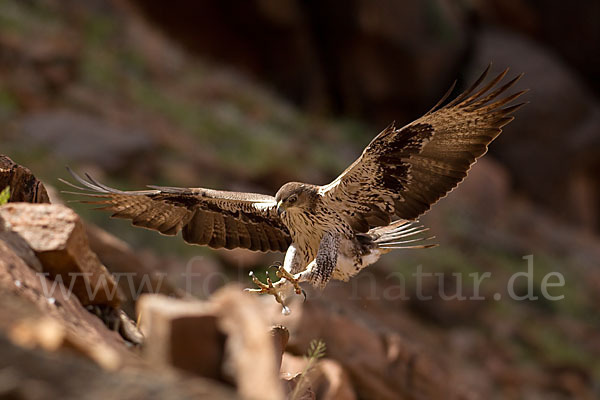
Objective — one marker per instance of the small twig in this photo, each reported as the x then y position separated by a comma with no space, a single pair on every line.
316,350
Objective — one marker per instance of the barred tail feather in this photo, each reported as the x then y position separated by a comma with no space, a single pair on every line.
401,234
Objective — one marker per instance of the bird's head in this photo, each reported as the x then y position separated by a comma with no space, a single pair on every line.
295,196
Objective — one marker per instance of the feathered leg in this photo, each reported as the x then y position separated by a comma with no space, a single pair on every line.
318,272
281,289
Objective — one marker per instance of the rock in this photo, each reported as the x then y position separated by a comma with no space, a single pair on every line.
39,313
24,187
134,274
305,392
556,177
335,384
327,378
182,334
227,339
242,259
381,364
557,27
57,236
20,247
482,196
280,336
34,374
250,354
87,139
385,60
40,69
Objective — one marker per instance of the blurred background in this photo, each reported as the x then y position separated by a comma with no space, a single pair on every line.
248,95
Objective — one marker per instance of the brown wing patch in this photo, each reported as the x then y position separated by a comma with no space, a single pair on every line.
206,217
403,172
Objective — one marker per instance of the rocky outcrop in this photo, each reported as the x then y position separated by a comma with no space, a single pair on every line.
90,66
52,345
326,380
80,137
225,339
135,275
35,374
563,115
57,236
24,186
381,364
383,60
39,312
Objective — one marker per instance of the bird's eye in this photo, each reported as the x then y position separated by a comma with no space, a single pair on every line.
292,199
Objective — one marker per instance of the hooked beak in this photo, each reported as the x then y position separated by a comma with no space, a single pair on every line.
280,209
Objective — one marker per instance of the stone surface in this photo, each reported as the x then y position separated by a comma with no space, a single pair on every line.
20,247
34,374
38,312
226,339
381,364
250,353
182,334
385,60
134,274
281,336
551,148
24,187
57,236
326,379
79,137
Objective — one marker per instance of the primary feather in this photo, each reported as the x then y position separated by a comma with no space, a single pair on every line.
403,172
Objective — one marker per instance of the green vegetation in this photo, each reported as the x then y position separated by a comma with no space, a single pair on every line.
316,351
4,195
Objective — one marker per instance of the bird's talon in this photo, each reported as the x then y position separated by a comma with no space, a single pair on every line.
262,288
267,288
276,265
275,289
283,273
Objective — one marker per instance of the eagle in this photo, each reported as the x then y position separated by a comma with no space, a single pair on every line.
333,231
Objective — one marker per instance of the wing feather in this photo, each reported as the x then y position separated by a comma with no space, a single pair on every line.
204,216
403,172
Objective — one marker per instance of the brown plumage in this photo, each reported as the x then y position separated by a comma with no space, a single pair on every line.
337,229
214,218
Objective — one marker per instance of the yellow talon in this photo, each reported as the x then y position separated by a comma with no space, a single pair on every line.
283,273
267,288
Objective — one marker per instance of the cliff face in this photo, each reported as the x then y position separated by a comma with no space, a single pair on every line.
100,87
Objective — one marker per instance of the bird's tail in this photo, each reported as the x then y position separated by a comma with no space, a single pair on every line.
401,234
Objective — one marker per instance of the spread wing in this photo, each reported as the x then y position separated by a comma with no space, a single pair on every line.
206,217
403,172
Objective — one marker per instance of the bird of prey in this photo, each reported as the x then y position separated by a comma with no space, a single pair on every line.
336,230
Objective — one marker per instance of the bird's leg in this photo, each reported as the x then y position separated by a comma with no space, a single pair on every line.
268,288
283,273
281,289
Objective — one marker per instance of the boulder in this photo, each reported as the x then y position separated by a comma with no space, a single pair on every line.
57,236
34,374
134,274
385,60
380,363
182,334
281,336
226,339
552,156
24,187
40,313
79,137
250,351
327,379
